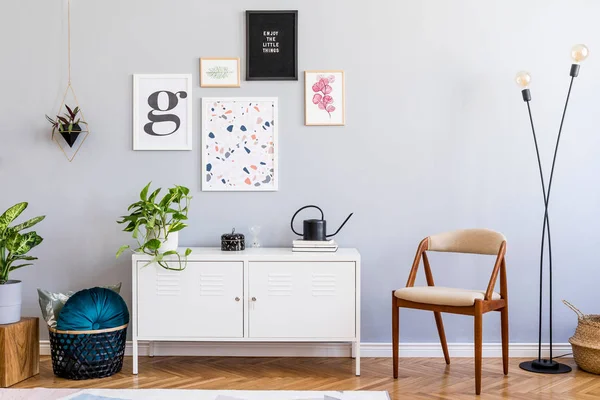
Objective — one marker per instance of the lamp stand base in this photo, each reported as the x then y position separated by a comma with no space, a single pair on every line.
545,367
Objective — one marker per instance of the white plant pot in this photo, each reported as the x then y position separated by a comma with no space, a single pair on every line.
172,243
10,302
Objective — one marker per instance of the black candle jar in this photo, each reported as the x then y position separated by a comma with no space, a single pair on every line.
232,241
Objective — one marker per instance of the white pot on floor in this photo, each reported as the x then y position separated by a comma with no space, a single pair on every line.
10,302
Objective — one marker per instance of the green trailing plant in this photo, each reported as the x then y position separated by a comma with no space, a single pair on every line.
14,244
151,222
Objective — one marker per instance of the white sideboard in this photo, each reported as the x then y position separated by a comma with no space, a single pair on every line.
255,295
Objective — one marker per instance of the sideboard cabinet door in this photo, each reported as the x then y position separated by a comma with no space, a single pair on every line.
202,301
307,300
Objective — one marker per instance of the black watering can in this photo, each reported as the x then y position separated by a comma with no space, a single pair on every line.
316,229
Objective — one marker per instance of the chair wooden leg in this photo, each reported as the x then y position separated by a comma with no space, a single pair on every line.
504,319
395,334
478,344
440,328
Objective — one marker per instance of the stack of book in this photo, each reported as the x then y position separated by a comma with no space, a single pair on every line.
309,246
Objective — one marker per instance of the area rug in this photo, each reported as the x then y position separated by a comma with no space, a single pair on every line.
167,394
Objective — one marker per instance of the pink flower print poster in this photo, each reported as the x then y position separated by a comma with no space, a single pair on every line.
324,103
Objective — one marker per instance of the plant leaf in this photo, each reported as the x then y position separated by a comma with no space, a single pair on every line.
11,214
176,227
121,250
19,266
71,113
21,244
154,194
170,252
152,244
188,252
144,193
28,224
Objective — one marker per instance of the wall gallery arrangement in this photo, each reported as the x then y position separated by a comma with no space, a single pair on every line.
239,135
162,112
239,142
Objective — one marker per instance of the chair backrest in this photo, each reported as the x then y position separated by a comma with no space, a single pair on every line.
475,241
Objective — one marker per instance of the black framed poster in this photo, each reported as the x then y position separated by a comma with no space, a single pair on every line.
271,45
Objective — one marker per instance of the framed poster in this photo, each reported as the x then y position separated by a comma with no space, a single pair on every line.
162,112
219,72
239,144
324,98
271,45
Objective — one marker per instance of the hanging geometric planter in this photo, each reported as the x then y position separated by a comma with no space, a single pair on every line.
69,127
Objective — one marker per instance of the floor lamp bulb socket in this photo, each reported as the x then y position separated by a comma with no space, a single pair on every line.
526,95
574,70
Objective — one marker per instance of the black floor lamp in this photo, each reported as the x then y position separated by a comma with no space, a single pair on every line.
540,365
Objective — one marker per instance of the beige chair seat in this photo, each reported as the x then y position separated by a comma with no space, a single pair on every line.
442,296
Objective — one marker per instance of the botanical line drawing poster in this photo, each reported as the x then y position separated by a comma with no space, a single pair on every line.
220,72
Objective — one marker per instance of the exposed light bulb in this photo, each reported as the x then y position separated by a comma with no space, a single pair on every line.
523,79
579,52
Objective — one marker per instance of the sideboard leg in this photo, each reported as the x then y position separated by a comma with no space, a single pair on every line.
356,346
151,349
353,350
135,356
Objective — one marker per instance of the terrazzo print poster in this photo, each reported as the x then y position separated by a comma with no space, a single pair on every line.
239,140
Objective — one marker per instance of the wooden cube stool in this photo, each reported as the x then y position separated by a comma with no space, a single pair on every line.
19,351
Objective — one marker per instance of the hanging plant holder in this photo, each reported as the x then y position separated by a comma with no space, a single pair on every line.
70,129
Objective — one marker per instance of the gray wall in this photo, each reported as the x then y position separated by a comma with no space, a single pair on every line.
437,138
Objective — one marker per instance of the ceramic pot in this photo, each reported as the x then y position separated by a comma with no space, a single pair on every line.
10,302
172,242
70,138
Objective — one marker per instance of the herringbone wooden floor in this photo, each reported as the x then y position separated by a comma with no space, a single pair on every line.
420,378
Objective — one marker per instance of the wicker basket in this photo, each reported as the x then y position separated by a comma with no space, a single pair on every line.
586,341
87,354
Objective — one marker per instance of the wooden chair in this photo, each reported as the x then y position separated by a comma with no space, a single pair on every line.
456,301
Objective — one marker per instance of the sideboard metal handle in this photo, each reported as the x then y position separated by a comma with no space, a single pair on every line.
254,299
237,299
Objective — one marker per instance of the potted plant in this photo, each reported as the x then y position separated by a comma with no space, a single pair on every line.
14,246
68,125
156,224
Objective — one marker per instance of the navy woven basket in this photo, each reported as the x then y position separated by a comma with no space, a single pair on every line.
87,354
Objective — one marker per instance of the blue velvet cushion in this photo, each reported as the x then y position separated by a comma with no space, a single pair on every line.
93,309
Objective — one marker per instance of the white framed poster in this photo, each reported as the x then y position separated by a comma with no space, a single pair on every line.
324,98
162,112
239,144
219,72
